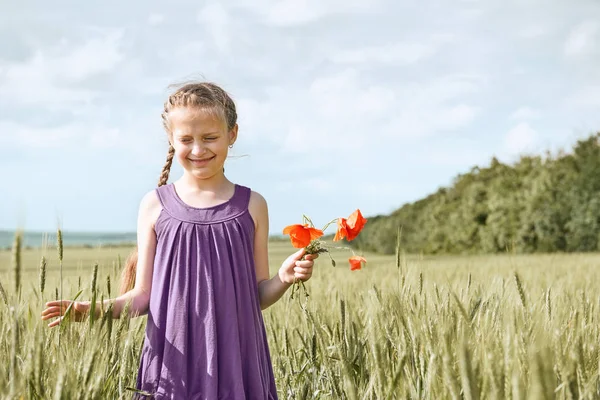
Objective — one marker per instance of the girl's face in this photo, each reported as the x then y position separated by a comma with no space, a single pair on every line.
201,141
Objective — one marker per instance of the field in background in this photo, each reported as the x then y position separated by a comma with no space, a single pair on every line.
432,327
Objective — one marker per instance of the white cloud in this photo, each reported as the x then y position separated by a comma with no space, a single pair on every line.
344,112
318,185
298,12
109,138
585,97
71,64
455,117
471,13
399,53
533,31
217,22
583,39
394,54
156,19
447,88
187,60
17,135
433,107
521,138
73,135
341,96
422,121
51,76
293,12
299,140
83,137
252,115
458,157
525,113
344,96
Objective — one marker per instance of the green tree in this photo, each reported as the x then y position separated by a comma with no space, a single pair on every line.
539,204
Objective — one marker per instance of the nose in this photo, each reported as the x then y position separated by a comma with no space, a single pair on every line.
197,148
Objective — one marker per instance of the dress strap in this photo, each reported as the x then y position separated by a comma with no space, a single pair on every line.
164,197
242,197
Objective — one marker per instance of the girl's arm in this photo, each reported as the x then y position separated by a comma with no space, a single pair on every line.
271,290
139,296
146,242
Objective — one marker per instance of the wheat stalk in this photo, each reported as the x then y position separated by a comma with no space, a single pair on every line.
42,274
16,259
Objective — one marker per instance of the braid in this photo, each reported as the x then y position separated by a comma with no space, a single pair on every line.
164,175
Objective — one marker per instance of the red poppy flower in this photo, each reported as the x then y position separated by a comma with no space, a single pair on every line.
351,227
356,262
302,235
342,230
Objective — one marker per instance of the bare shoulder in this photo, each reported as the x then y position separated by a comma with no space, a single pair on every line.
150,208
258,208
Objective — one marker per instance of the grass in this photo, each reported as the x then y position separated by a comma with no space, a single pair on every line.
480,327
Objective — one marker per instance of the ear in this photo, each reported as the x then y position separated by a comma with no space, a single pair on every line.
233,134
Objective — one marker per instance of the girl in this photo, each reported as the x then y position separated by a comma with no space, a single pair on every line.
201,272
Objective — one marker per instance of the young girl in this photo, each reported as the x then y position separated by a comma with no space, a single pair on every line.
201,272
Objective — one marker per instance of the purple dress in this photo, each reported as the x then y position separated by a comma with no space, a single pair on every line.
205,335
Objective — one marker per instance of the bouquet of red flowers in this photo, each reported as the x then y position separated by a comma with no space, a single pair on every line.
305,235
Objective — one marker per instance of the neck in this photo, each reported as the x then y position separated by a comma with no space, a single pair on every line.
213,184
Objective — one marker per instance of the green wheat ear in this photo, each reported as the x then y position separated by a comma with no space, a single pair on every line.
3,294
520,290
138,391
43,265
16,259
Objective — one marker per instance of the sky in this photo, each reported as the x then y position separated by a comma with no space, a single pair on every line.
342,104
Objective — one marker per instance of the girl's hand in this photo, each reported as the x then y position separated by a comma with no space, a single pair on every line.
53,309
295,269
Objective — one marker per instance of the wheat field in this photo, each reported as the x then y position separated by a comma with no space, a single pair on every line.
404,327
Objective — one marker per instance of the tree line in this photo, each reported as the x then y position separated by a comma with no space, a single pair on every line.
543,203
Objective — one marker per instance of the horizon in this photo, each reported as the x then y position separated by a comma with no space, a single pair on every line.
344,105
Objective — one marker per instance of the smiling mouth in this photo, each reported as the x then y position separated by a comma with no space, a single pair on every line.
201,160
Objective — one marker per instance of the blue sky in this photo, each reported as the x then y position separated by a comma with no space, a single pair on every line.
342,104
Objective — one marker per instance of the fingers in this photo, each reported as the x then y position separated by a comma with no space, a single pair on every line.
304,263
54,323
302,253
58,303
51,311
53,315
302,277
303,270
298,255
59,309
299,265
303,267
